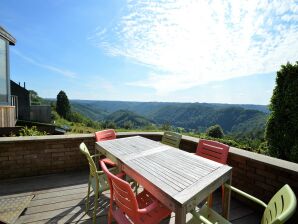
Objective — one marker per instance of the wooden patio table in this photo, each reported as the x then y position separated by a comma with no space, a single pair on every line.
178,179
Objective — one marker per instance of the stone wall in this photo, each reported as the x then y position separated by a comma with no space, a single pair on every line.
30,156
38,155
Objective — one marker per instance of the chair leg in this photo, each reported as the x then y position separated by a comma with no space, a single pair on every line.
88,198
110,215
136,187
95,206
222,195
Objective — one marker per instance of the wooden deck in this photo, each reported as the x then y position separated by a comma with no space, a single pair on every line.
60,198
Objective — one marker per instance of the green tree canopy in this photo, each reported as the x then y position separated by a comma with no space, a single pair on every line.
215,131
282,126
35,99
62,105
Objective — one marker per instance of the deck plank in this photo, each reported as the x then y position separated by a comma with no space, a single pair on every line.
64,202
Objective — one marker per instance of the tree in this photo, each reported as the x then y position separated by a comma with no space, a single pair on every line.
62,105
166,127
35,99
215,131
109,124
282,126
128,124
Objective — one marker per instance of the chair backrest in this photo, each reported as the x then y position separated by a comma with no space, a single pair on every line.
281,206
92,166
171,139
97,180
213,150
122,193
104,135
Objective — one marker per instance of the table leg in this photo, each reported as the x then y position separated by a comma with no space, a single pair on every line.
227,199
180,216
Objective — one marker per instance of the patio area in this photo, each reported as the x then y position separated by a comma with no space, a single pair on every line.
60,198
53,170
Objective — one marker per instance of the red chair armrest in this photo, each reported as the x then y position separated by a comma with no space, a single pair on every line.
149,208
121,175
108,162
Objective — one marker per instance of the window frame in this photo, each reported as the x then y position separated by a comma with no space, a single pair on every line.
8,101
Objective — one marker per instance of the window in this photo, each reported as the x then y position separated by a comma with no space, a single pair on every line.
3,73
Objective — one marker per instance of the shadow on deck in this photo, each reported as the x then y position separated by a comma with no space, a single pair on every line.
60,198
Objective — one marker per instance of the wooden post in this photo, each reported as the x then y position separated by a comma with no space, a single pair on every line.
180,215
227,198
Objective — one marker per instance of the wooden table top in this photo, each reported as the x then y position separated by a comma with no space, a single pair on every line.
180,175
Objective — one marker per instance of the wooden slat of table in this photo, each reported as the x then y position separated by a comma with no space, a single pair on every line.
169,168
194,167
148,173
127,147
159,164
195,160
167,174
163,174
202,188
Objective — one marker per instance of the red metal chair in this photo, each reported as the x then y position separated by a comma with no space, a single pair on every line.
104,135
108,134
215,151
126,208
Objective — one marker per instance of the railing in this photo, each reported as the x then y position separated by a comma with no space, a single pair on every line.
9,113
7,116
14,102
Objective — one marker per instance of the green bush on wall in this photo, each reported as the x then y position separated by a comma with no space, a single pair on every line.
282,126
33,131
215,131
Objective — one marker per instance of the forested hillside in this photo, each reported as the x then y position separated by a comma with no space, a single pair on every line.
200,117
237,120
128,119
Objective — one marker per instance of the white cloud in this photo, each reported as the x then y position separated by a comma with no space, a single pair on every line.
60,71
188,43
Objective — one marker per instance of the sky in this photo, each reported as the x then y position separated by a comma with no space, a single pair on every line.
135,50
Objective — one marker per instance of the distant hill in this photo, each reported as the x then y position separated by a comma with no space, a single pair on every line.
147,108
262,108
90,110
233,118
252,128
202,116
122,117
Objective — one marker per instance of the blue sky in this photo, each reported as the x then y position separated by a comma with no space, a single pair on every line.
182,51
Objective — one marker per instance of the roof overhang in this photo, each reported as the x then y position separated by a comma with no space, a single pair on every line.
7,36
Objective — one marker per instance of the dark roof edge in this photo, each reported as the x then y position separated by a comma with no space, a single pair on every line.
7,36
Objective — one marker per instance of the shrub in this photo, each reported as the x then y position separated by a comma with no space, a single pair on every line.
215,131
166,127
25,131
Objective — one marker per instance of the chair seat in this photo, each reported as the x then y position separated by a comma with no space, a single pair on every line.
144,199
209,214
120,217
